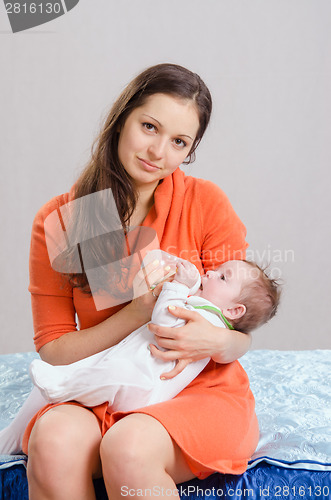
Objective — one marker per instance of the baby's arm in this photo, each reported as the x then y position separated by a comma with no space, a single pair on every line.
187,274
186,282
175,293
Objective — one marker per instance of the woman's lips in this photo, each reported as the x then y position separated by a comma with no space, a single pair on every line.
150,167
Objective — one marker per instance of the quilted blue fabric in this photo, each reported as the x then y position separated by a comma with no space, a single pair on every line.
293,406
293,458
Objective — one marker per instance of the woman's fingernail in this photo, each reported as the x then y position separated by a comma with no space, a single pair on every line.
155,262
167,268
172,307
162,378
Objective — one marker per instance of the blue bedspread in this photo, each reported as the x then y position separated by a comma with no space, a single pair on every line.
293,458
262,482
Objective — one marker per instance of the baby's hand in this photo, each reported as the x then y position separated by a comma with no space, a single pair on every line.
186,273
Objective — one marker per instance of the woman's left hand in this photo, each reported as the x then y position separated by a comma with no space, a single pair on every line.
185,344
196,340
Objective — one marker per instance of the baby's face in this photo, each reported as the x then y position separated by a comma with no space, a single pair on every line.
223,286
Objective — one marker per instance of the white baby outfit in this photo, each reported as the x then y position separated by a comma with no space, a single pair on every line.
126,375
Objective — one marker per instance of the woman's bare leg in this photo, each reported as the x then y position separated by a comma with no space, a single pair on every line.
63,455
138,454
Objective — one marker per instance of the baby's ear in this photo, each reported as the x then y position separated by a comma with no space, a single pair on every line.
234,312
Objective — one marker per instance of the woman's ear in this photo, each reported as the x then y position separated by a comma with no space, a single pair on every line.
234,312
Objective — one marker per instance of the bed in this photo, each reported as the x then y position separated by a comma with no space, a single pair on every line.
293,458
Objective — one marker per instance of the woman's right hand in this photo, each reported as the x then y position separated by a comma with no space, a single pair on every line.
144,292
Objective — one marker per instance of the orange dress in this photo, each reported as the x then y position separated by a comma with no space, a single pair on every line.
213,419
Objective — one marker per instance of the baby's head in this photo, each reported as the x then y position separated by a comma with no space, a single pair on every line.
245,294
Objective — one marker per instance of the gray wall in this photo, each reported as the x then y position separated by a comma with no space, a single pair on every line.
268,66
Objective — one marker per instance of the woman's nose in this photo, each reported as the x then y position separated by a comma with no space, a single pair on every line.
157,148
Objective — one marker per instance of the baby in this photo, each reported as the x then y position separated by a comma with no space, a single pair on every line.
237,295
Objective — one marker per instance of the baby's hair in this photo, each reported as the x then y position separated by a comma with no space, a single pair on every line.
260,295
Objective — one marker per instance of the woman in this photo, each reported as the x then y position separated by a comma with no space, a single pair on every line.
153,127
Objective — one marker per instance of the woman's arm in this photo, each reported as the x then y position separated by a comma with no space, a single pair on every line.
232,345
75,345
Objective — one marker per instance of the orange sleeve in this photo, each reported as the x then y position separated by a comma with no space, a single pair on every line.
223,233
51,297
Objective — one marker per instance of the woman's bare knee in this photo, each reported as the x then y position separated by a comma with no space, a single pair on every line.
122,452
138,446
64,443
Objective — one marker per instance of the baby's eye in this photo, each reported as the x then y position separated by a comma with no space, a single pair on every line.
222,277
148,126
180,143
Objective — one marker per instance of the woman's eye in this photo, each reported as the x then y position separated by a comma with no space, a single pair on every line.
180,143
149,126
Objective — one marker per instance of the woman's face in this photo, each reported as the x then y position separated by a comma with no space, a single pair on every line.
156,138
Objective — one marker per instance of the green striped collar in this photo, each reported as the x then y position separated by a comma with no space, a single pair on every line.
217,311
